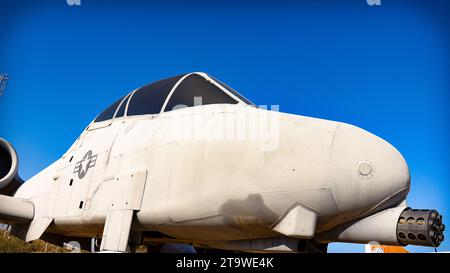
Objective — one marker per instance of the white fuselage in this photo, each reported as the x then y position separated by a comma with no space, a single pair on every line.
237,185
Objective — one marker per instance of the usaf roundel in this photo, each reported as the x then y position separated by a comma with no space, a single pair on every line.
82,167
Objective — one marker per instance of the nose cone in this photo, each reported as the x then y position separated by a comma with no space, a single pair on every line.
366,171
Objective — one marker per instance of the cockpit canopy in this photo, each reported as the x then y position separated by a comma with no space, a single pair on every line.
181,91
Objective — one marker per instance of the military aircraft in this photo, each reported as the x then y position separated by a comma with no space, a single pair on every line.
188,160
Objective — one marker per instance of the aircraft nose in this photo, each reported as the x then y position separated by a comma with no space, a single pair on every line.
366,171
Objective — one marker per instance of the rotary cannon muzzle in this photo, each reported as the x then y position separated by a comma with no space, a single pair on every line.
420,227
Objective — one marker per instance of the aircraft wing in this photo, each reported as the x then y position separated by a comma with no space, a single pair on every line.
15,210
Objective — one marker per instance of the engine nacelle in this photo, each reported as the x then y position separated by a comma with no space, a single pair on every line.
9,164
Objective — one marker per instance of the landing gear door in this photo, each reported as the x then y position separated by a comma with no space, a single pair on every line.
127,198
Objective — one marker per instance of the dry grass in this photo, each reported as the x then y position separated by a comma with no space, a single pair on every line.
12,244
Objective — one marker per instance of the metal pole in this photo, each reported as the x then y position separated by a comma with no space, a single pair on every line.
3,81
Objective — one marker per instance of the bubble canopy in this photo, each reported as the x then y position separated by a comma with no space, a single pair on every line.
186,90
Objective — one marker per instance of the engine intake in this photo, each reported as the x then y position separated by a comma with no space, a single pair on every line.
9,164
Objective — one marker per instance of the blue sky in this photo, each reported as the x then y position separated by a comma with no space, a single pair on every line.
383,68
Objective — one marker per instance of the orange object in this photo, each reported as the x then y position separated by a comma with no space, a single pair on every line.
387,249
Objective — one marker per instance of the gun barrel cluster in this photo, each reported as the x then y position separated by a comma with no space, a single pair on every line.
420,227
